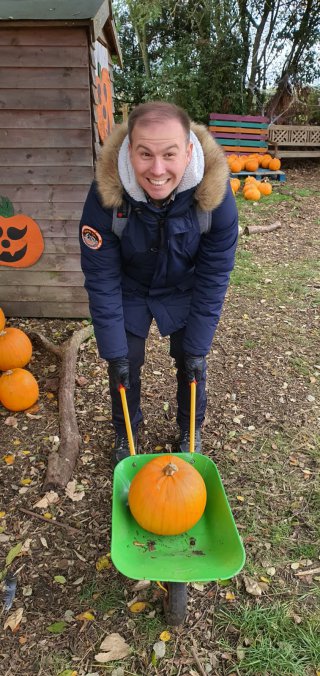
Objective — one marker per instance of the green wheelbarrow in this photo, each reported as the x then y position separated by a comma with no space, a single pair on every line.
211,550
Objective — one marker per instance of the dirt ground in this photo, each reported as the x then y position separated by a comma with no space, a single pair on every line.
262,429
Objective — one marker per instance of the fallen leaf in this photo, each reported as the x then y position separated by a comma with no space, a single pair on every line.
11,421
73,492
68,672
86,615
47,515
240,498
114,647
13,553
165,636
159,649
252,586
295,565
230,596
141,584
103,563
25,482
60,579
271,571
9,458
50,498
13,621
137,607
57,627
2,515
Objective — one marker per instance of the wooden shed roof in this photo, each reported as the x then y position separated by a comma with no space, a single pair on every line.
49,9
99,12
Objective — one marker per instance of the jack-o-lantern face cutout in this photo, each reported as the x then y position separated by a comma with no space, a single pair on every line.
21,241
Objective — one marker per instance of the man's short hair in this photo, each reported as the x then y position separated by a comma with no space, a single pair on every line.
157,111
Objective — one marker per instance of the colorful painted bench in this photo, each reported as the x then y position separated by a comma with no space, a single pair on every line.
242,135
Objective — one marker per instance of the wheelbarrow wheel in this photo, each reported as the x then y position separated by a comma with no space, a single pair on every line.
175,603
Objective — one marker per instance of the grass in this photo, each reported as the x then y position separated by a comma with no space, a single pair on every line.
288,280
270,640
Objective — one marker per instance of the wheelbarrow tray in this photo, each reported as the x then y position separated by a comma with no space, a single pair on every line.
211,550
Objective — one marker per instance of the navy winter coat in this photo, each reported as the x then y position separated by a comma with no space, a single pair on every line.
162,267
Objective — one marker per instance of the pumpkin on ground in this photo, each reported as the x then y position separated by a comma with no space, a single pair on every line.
18,389
265,187
252,193
2,320
167,496
235,184
15,349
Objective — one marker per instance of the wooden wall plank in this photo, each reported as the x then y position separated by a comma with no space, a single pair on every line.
23,277
56,263
58,229
45,138
48,293
37,175
56,309
61,245
46,210
43,119
43,36
45,157
44,99
45,193
47,56
44,78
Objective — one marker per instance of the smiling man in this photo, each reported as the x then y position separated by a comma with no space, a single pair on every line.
158,236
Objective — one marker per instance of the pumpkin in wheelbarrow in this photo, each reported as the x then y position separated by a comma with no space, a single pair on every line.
167,496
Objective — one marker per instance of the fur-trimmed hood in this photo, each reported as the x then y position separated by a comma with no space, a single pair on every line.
209,193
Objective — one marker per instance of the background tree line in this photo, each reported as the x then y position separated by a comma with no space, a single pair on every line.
240,56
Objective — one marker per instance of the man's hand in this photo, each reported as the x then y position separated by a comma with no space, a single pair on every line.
119,372
194,367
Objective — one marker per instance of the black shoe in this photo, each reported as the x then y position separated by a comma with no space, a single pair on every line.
121,447
184,441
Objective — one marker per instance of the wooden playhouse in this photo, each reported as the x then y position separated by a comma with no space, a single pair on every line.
56,107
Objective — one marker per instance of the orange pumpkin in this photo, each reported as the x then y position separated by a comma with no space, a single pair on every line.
2,320
18,389
265,187
167,496
265,161
235,184
252,193
15,349
236,166
274,164
251,164
21,241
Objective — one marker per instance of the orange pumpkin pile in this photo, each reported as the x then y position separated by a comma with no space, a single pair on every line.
18,387
252,162
167,496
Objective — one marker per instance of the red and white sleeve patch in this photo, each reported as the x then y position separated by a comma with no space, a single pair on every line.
90,237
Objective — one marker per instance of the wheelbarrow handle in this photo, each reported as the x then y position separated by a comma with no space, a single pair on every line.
193,386
125,409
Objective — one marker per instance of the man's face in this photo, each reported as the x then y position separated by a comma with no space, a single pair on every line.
159,154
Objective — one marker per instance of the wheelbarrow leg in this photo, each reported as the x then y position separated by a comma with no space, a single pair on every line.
175,603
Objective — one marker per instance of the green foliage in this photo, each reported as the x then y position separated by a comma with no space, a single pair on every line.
213,55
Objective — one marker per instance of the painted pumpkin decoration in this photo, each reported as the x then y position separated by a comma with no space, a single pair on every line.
167,496
15,349
18,390
21,241
2,320
104,107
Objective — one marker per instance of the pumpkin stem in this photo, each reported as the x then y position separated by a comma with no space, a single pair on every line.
170,469
6,207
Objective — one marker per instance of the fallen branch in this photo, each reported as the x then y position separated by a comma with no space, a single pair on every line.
49,521
314,571
196,657
254,229
61,463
